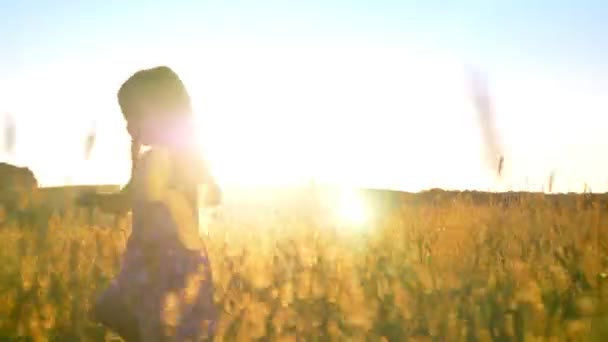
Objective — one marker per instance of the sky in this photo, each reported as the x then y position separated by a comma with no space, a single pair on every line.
365,93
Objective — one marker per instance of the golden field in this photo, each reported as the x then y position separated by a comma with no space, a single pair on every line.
450,272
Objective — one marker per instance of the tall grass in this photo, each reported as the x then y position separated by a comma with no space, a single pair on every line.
449,273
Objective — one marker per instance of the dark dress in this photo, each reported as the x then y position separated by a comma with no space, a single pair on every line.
164,290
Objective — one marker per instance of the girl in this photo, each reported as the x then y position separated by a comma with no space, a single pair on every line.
164,290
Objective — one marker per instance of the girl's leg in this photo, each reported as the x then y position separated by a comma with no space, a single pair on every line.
111,311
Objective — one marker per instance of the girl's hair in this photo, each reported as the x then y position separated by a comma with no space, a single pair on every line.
163,87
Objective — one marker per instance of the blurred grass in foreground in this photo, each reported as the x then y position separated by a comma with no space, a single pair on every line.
443,273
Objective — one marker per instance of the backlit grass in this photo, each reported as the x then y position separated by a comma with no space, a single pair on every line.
451,273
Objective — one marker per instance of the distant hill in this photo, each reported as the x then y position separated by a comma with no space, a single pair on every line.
481,198
252,204
380,198
385,201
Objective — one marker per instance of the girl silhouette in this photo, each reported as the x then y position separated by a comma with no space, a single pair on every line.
164,290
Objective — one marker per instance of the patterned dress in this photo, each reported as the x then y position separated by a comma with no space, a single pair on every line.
164,291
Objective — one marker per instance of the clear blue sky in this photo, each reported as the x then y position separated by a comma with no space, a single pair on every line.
384,72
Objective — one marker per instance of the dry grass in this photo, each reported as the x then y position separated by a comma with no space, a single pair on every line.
452,273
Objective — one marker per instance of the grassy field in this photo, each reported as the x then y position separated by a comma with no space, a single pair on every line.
452,272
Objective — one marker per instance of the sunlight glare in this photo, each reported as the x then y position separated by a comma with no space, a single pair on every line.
352,209
274,136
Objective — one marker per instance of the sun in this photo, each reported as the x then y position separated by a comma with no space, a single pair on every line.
352,209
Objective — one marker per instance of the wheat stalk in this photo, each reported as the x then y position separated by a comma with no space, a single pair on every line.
10,134
90,142
485,111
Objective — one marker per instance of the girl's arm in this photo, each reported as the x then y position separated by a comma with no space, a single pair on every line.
116,203
112,203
